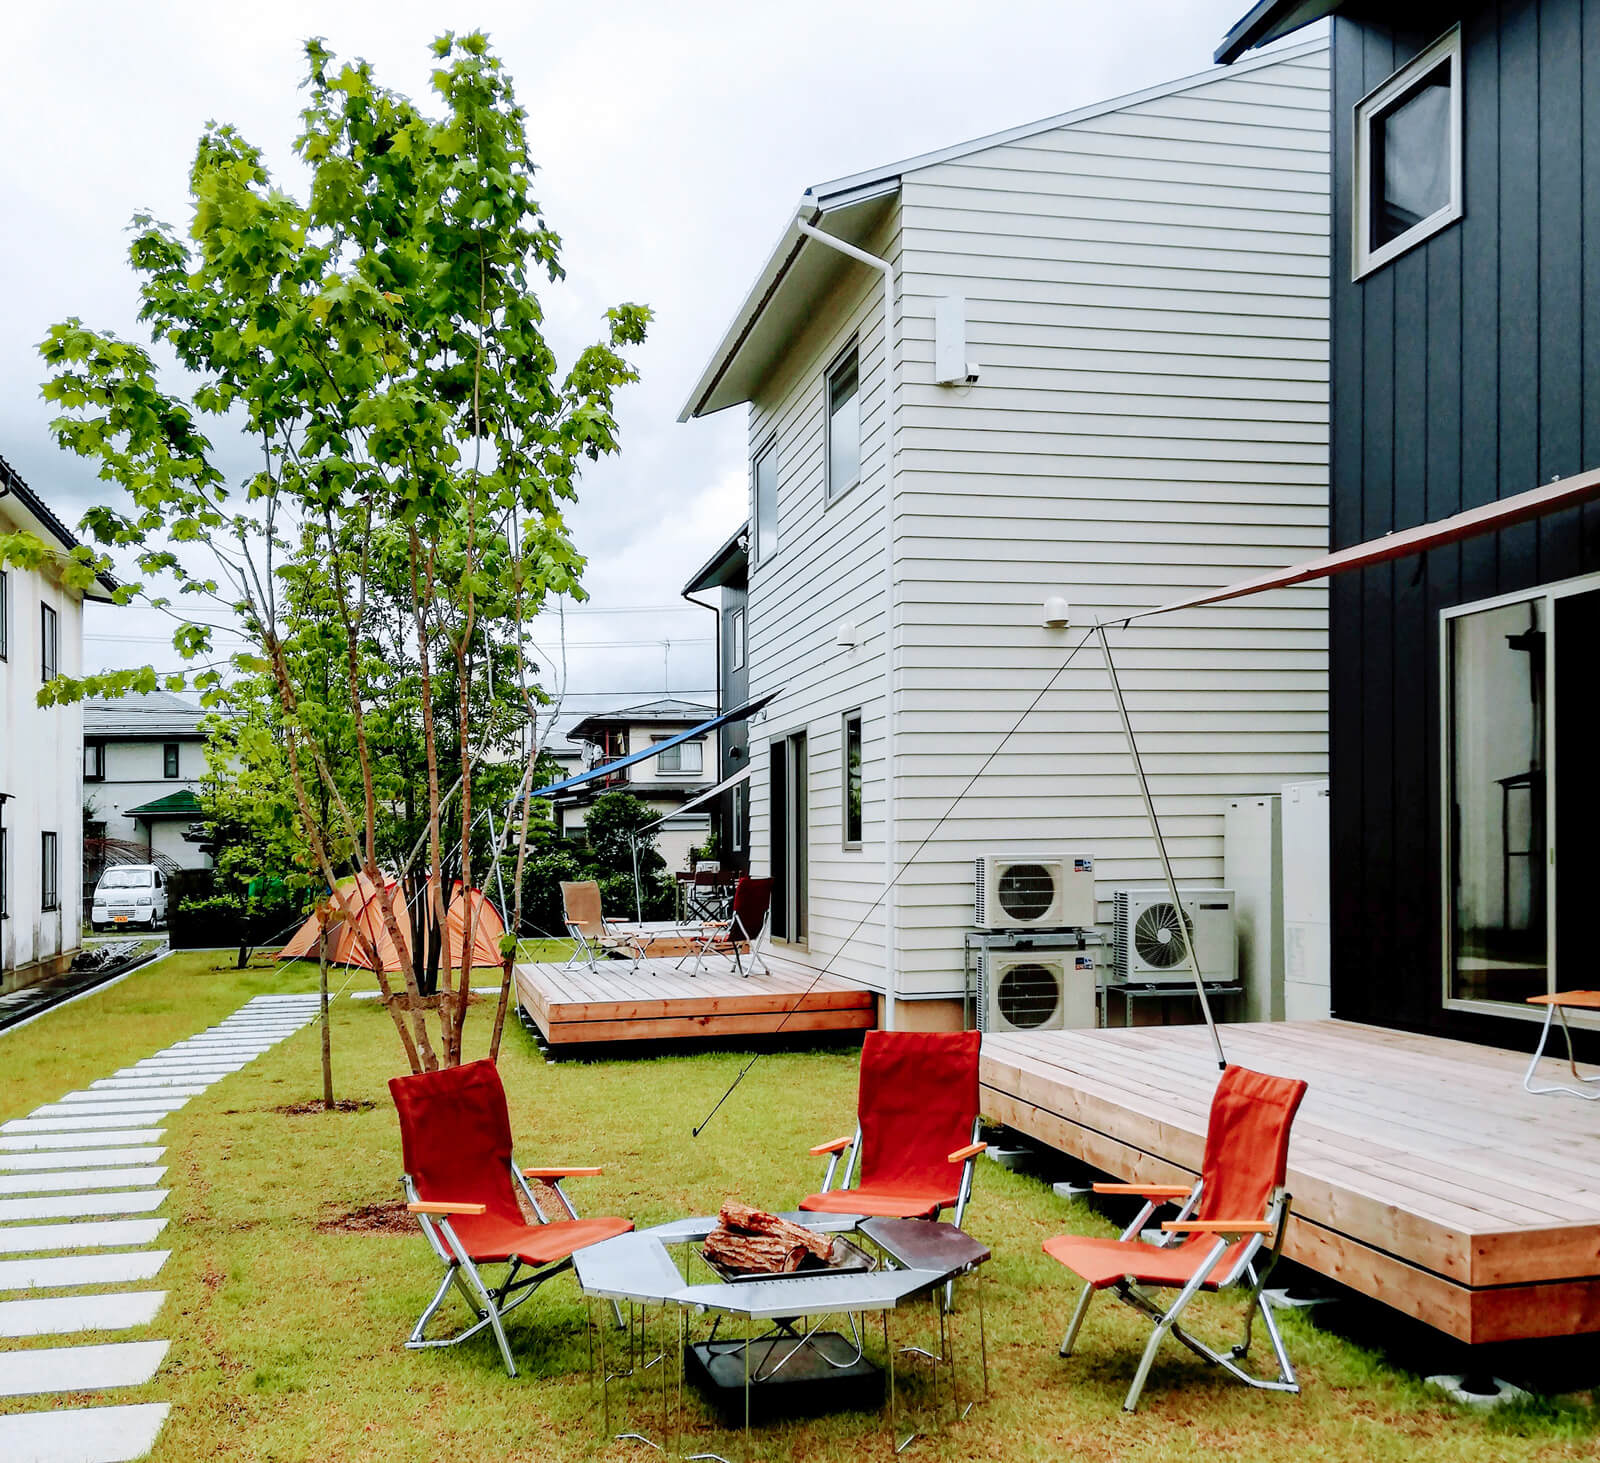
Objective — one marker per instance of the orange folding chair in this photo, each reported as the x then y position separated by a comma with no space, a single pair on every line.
1238,1208
462,1183
916,1129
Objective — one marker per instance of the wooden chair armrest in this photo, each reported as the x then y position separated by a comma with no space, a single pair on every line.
972,1150
435,1207
564,1172
1147,1191
837,1146
1217,1226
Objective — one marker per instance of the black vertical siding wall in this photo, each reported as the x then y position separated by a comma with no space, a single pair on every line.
1466,370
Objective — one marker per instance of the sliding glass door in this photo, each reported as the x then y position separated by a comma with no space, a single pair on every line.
1519,766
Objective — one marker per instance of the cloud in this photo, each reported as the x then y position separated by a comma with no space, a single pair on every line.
673,142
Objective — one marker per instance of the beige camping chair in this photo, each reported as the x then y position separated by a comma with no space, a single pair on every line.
591,933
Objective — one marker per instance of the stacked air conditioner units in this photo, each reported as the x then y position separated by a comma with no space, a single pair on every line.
1035,973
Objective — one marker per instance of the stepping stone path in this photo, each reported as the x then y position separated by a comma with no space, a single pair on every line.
69,1171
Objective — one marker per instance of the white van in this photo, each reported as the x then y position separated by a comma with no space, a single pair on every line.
129,894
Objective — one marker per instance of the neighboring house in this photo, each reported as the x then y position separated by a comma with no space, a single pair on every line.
143,758
1141,290
1466,369
41,777
727,573
664,783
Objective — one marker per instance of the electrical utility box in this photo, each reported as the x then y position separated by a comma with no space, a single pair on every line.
1252,866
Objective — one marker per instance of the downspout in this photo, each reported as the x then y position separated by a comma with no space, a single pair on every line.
891,353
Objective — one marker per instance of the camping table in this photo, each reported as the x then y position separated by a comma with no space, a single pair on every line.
637,1268
1554,1005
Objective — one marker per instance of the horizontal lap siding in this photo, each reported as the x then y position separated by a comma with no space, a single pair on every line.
1147,300
829,569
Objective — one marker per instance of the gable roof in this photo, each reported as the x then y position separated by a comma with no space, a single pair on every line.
133,717
799,271
12,486
729,565
664,709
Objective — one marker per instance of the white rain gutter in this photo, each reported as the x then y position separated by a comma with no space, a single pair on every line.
891,352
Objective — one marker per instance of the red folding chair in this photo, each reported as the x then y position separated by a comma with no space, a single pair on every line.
1237,1207
916,1129
743,933
462,1183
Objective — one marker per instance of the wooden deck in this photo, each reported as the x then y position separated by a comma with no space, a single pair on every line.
656,1001
1421,1173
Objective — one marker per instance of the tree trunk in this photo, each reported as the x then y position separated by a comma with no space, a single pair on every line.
322,990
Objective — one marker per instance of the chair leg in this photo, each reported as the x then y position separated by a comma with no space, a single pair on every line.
1168,1319
1076,1323
433,1306
493,1316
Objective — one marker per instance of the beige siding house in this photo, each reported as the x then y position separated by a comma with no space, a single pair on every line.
1140,288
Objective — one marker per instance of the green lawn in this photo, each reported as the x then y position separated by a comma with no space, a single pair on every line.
287,1327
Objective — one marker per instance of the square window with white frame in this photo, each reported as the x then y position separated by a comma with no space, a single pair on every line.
685,757
1408,169
844,423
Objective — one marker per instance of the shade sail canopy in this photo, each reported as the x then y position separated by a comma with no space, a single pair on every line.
606,769
1568,492
742,775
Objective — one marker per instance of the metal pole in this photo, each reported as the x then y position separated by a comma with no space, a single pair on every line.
1161,847
638,902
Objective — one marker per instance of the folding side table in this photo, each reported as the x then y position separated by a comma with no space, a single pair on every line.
1555,1005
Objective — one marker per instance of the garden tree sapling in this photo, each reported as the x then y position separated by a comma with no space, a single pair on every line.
380,340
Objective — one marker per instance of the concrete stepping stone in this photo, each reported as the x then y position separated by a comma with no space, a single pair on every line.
82,1434
178,1084
71,1181
62,1315
104,1104
80,1368
179,1069
95,1234
82,1206
77,1158
21,1142
61,1272
98,1125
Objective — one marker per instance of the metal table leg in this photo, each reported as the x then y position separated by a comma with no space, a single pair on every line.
1551,1011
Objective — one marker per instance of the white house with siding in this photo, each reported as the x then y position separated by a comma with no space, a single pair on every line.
1141,290
143,758
41,749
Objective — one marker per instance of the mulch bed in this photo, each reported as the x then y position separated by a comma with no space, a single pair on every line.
315,1105
386,1218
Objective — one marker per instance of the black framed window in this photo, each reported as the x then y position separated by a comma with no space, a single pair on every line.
844,423
169,759
5,615
49,872
852,779
94,761
5,869
49,643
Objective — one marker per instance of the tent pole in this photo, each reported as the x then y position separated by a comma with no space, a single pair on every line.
638,902
1161,847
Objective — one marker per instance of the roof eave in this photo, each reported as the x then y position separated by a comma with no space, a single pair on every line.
714,572
1268,21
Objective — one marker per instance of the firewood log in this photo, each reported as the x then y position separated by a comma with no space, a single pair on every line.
744,1218
753,1253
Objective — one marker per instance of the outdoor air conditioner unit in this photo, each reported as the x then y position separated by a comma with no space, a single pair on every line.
1033,891
1035,990
1145,935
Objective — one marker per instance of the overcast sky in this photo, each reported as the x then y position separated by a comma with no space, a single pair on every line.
673,140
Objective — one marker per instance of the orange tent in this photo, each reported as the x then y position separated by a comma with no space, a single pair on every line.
346,945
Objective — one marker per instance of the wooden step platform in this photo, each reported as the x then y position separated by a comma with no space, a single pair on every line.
1421,1173
655,1001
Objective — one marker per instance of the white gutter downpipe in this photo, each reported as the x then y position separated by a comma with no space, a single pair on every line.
891,353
